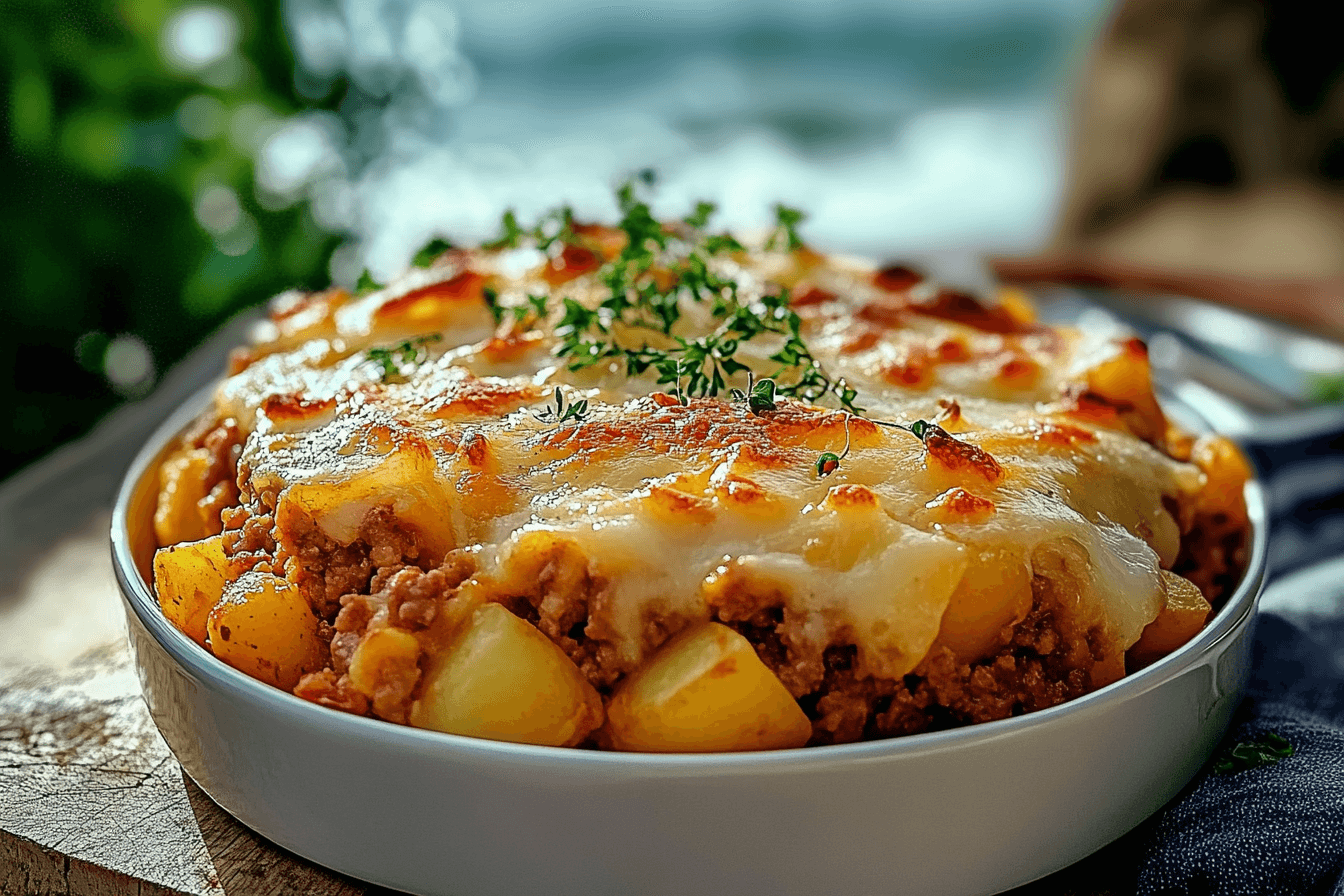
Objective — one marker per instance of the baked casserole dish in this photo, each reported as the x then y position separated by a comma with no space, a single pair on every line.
646,488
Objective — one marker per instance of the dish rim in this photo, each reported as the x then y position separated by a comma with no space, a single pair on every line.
202,665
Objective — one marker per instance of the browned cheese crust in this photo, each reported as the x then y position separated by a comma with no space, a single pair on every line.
1048,486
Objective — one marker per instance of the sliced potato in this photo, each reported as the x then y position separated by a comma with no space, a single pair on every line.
1180,619
183,484
499,677
264,627
994,592
189,579
705,691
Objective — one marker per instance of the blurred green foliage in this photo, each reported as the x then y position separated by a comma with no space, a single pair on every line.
116,157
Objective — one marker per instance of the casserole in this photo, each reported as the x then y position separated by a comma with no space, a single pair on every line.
1031,791
653,490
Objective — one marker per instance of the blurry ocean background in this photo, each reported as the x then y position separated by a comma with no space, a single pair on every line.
168,165
898,127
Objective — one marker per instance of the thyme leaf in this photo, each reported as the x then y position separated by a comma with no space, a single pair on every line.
392,360
491,296
700,217
366,283
785,236
430,251
561,412
1268,749
510,234
761,397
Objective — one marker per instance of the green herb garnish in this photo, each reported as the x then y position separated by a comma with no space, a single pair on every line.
702,366
562,412
511,234
718,243
700,217
431,250
534,307
1267,750
491,297
405,354
785,235
829,462
366,283
556,225
636,303
760,396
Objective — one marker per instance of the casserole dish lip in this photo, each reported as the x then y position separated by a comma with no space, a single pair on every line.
204,666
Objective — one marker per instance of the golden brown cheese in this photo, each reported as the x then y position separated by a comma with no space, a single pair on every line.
1047,468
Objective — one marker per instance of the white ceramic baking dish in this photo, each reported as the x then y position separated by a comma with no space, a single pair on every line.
968,811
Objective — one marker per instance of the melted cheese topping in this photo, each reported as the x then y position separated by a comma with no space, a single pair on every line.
1037,458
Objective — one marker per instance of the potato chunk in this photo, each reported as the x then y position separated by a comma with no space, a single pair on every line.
189,580
994,593
183,484
404,481
264,627
500,678
1180,619
706,690
385,668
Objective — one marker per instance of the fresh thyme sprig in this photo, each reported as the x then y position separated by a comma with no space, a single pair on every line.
555,226
640,300
785,235
1268,749
393,359
430,251
759,396
655,276
366,283
562,412
829,461
530,311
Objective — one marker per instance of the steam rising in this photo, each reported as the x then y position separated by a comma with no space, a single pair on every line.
456,114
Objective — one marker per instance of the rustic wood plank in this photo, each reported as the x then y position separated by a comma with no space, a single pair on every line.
247,863
92,802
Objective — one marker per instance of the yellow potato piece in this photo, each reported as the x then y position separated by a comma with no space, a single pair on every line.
1179,620
1227,470
385,668
705,691
264,627
182,485
189,580
404,482
500,678
994,593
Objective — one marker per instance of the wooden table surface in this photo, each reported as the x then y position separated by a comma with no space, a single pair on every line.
91,799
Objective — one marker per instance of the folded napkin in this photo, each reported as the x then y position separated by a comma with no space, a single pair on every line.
1278,827
1273,824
